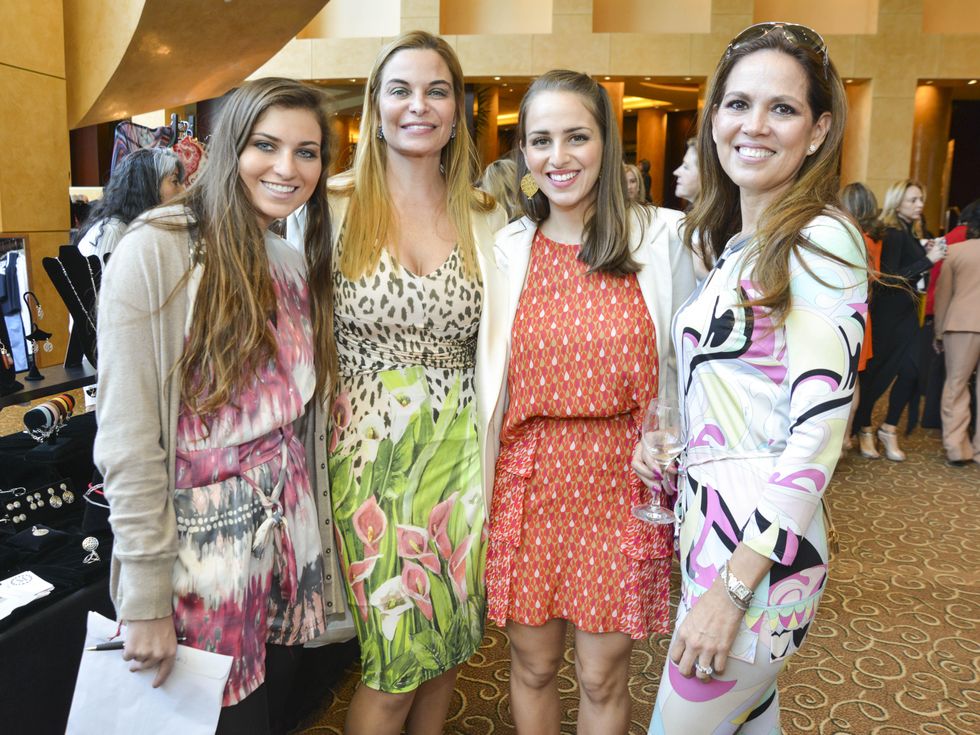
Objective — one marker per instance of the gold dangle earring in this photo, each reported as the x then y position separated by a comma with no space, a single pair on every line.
529,186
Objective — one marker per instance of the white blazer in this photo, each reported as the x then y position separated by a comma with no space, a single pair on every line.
666,279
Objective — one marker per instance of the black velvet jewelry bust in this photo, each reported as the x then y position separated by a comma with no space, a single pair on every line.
77,279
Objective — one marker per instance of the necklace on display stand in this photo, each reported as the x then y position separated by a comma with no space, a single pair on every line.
88,315
91,275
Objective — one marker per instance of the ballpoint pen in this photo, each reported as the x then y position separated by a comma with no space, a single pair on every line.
117,645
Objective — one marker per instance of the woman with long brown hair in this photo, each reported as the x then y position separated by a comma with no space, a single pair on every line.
594,279
415,311
210,358
767,351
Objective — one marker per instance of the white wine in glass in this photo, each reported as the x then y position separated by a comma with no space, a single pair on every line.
662,442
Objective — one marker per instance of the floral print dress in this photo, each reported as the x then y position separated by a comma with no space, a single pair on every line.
249,564
405,469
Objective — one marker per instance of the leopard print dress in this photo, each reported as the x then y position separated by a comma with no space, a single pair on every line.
405,469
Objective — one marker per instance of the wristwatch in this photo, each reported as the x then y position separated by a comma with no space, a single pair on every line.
739,592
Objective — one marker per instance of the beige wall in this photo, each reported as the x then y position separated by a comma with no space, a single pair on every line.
34,161
929,146
881,44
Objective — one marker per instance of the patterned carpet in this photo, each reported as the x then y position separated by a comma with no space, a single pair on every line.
895,648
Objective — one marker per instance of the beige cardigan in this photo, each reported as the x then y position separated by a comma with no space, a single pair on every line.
141,336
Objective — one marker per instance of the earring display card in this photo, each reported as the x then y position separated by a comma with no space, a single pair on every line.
21,589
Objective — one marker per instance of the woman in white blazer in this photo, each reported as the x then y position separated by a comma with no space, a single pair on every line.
593,282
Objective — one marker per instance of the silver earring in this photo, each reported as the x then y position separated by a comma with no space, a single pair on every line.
813,148
381,133
452,133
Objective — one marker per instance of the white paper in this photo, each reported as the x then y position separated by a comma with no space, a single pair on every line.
20,590
112,700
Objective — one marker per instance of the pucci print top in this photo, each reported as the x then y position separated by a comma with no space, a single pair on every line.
754,391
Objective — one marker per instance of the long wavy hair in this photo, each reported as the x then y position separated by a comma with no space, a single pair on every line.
369,222
133,188
716,215
606,238
230,336
893,200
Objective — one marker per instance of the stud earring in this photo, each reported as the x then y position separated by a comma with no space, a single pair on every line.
381,133
528,185
812,148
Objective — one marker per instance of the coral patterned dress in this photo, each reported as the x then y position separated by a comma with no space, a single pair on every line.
563,542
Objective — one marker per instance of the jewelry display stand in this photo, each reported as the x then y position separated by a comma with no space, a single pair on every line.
77,279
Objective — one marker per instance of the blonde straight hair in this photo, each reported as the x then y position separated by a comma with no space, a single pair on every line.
893,200
369,221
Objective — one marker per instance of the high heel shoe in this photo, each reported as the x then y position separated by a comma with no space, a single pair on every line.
889,440
866,445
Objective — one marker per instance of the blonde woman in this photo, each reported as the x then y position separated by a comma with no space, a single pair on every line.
416,298
635,190
499,180
894,309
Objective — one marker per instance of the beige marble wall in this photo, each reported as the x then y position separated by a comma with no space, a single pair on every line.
929,145
34,160
879,43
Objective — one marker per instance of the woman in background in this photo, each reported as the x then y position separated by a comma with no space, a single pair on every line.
142,180
206,315
688,179
635,190
499,180
416,308
766,353
594,280
859,201
894,309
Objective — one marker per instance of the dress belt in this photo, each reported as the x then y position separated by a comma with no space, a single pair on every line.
203,467
515,466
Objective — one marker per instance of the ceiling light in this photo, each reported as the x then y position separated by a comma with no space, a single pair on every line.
496,79
687,79
647,78
642,103
848,81
972,81
607,78
353,80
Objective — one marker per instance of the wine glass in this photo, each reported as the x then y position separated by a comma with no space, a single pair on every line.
662,441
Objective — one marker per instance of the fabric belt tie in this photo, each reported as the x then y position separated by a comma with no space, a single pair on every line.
515,466
203,467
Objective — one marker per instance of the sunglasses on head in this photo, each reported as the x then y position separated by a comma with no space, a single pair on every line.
794,33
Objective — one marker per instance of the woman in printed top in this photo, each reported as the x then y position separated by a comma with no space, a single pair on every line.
206,316
594,280
767,351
